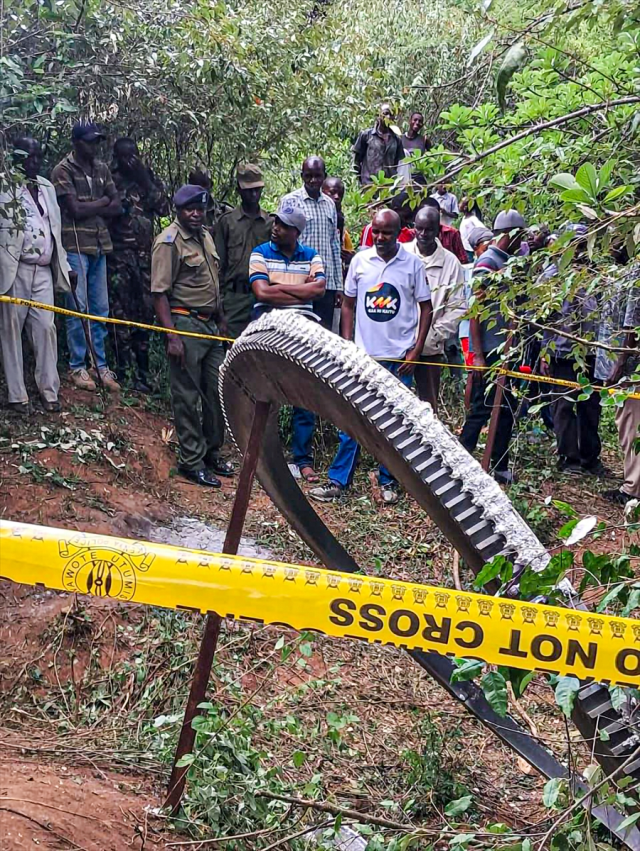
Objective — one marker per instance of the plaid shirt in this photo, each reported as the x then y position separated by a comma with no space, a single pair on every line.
321,232
90,235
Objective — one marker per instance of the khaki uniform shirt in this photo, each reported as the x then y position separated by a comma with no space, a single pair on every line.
236,235
90,235
185,267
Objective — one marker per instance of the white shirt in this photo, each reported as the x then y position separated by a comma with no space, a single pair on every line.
445,278
387,298
37,247
467,224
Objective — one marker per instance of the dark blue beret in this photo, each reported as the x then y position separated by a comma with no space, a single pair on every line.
191,194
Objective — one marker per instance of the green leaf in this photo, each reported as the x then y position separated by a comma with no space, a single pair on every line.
618,192
565,260
610,597
468,669
513,61
519,679
566,691
576,196
564,181
187,759
632,603
494,687
618,696
629,821
459,806
298,758
564,507
551,792
567,529
588,179
489,571
604,175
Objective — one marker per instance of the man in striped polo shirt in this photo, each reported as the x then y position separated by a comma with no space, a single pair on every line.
285,274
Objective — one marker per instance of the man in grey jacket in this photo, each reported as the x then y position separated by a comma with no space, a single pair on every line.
32,261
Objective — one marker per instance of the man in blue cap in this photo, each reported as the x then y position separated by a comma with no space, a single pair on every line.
88,199
186,293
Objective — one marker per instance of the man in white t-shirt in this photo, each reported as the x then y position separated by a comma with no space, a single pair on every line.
446,283
387,294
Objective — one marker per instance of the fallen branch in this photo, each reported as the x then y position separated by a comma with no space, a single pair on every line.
324,807
532,130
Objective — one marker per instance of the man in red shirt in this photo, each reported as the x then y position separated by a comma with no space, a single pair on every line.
449,237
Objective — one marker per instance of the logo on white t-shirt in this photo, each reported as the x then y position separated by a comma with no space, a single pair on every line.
382,302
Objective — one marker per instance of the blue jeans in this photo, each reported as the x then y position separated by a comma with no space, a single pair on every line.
346,458
93,295
303,427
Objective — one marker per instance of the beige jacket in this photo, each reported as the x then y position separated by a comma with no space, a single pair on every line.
12,238
445,277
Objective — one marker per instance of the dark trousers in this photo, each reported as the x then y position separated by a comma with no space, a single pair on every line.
428,380
304,422
575,423
199,425
324,307
480,413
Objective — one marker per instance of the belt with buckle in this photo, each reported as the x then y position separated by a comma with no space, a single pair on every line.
197,314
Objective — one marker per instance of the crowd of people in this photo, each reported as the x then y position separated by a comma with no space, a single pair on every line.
402,291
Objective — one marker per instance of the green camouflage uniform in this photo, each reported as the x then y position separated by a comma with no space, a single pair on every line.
129,268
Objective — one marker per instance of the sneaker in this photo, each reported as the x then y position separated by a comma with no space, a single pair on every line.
81,379
326,493
504,477
390,495
109,379
616,496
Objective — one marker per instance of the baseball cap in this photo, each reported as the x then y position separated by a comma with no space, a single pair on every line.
291,215
249,176
509,220
191,194
86,131
478,235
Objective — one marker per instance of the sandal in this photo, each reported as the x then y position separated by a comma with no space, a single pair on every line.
309,475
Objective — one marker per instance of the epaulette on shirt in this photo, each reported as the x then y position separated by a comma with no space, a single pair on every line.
169,235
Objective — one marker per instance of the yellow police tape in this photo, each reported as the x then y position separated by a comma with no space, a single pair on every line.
380,611
524,376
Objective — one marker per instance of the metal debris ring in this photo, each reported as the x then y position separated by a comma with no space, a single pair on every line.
286,359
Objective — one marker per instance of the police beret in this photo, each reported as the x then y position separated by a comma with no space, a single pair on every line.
191,194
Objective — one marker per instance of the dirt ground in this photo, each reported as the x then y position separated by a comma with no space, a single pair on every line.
60,785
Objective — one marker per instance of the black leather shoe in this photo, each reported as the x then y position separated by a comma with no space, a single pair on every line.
201,477
219,466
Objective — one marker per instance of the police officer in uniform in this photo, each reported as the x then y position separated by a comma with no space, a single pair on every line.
186,293
236,234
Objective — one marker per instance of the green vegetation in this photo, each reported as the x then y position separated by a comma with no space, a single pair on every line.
533,106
